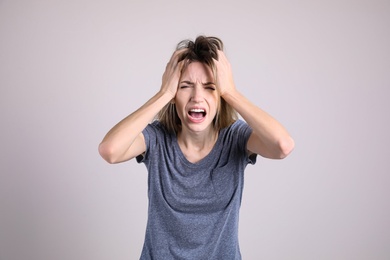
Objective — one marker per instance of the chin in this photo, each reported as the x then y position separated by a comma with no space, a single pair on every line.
199,127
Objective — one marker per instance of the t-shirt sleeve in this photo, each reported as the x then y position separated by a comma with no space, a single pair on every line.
243,132
150,135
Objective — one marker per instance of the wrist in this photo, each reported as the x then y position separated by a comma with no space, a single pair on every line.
229,93
166,95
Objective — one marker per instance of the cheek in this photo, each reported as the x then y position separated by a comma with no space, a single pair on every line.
213,103
179,108
215,100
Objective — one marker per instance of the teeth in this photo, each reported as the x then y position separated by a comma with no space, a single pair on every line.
197,110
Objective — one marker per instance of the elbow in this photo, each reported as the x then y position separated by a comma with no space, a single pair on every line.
106,152
286,147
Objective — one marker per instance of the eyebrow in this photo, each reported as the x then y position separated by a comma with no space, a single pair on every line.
209,83
192,83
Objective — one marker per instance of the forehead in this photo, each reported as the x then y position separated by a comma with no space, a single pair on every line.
197,71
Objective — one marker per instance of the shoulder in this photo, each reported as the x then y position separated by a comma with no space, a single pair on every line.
239,127
234,140
156,133
237,133
155,128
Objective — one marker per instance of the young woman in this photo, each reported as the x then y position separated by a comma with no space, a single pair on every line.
195,149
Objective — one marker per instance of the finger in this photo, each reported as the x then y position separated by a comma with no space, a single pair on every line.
176,54
222,56
181,64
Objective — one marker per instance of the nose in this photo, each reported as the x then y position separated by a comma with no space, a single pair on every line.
197,94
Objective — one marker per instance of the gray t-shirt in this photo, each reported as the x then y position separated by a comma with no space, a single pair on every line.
194,207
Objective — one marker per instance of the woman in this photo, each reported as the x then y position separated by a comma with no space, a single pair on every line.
195,152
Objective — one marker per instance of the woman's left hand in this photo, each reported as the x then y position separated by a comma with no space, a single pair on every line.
225,82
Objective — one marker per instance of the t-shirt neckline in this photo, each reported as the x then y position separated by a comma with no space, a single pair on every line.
205,160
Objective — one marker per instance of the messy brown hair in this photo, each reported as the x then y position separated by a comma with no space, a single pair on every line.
205,50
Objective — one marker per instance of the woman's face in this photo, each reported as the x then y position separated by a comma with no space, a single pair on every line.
197,98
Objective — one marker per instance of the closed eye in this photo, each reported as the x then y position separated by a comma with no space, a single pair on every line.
210,87
186,84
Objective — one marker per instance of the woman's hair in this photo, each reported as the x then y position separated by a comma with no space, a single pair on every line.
205,50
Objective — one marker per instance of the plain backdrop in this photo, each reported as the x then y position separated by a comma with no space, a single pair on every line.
70,70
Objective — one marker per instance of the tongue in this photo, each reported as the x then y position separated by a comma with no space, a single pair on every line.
196,114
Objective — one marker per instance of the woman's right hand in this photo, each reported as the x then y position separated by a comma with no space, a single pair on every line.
171,76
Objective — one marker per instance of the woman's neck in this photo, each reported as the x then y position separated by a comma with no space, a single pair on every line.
196,146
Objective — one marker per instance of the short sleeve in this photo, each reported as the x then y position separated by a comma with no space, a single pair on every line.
243,131
150,133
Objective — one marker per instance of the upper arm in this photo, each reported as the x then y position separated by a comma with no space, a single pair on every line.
255,145
107,151
277,150
137,147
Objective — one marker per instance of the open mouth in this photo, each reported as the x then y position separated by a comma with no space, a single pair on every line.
197,113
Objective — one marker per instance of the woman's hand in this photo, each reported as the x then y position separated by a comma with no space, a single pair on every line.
225,82
171,76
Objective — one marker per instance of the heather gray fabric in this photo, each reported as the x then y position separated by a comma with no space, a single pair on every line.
194,207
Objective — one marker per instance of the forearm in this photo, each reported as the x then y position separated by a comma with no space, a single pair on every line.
272,139
120,138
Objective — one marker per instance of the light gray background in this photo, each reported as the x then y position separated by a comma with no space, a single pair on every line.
69,70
